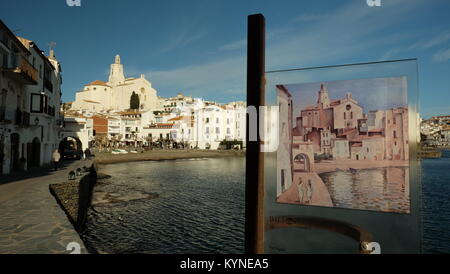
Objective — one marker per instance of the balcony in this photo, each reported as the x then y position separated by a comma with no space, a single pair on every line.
20,70
3,119
48,85
22,118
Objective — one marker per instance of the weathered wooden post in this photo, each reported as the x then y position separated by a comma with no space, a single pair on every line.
254,183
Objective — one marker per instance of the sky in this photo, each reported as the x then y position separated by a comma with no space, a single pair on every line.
371,94
199,47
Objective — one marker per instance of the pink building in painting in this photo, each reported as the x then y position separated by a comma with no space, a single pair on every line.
340,129
335,130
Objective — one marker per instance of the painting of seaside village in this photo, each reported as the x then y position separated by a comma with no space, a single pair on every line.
344,144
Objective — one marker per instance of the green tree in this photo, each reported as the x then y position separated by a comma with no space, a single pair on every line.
134,101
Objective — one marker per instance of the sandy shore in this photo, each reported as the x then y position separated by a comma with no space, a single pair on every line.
161,155
329,166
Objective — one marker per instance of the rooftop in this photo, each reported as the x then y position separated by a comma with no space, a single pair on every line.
98,83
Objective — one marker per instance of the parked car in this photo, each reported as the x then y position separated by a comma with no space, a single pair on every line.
72,154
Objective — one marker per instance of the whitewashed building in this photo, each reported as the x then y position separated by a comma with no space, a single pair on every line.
30,94
114,95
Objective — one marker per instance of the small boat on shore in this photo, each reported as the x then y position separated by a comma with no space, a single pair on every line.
119,151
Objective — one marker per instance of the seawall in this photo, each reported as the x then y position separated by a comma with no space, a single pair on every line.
430,154
75,197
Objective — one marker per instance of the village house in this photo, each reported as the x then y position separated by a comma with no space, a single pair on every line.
30,92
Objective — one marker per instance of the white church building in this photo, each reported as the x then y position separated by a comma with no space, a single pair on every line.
115,94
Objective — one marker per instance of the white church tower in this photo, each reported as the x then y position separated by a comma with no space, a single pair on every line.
116,75
98,96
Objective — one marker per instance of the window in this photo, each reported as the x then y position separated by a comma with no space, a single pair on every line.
207,130
37,103
228,131
395,134
207,120
4,60
345,116
217,130
217,120
351,115
3,104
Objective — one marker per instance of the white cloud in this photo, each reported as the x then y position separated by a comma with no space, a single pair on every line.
346,33
434,41
183,38
441,56
223,76
240,44
309,17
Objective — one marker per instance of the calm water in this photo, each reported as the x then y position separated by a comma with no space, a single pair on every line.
378,189
436,209
201,207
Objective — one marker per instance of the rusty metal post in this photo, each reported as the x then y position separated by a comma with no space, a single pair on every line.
254,182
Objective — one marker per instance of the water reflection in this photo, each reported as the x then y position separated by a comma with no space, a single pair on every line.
199,208
380,189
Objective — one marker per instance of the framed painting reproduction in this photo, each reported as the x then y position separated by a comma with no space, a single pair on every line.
344,177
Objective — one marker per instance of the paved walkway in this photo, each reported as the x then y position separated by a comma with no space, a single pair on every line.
31,221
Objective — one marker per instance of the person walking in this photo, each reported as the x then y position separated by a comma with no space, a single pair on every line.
55,158
87,153
300,190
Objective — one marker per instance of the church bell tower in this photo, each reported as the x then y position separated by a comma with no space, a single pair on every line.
116,75
324,99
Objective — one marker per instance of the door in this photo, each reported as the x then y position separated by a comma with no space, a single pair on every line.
15,141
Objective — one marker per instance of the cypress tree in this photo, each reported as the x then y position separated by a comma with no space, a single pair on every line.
134,101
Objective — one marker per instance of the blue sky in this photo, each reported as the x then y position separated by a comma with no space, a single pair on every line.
199,47
371,94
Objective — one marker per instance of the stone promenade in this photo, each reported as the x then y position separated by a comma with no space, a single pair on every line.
31,222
